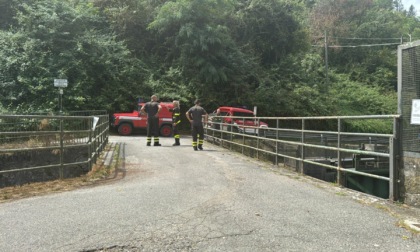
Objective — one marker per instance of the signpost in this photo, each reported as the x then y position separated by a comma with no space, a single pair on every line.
60,83
415,111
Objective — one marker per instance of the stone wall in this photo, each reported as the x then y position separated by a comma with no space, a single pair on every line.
410,181
22,160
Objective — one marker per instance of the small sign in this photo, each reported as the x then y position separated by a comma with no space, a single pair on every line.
415,112
61,83
95,121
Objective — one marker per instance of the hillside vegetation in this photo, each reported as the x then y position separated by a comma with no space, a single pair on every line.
265,53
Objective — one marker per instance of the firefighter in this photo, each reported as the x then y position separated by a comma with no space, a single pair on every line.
152,109
195,116
176,119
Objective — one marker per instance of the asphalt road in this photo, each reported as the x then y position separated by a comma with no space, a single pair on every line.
177,199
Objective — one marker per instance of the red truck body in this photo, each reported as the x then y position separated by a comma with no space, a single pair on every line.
236,119
125,123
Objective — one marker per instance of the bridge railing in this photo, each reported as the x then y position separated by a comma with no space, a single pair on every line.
42,147
328,148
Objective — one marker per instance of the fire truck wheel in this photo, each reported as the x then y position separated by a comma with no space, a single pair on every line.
166,131
125,129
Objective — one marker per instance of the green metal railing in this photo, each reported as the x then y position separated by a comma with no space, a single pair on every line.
30,143
315,145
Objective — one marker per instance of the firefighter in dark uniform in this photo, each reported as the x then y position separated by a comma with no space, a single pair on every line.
195,116
152,109
176,119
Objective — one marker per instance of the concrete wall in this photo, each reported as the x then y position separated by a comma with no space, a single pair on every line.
410,180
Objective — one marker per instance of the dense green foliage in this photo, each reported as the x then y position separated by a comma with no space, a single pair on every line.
268,53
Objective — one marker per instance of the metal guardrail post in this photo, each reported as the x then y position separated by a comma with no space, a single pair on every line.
391,168
95,145
395,161
258,139
243,143
232,137
221,134
61,170
277,144
340,180
213,131
398,155
90,122
302,153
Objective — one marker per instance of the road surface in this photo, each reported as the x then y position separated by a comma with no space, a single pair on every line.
177,199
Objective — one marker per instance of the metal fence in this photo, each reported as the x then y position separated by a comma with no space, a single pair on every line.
327,148
409,109
41,147
409,96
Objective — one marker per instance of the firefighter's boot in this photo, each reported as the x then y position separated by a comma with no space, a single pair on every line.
200,147
176,142
156,142
149,141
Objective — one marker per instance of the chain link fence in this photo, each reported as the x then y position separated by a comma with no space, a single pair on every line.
409,91
409,109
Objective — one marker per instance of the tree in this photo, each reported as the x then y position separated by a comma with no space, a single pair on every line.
270,29
363,37
65,39
196,40
412,11
398,5
7,14
129,20
226,52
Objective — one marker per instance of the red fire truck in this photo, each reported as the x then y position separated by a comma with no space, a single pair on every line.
237,120
125,123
